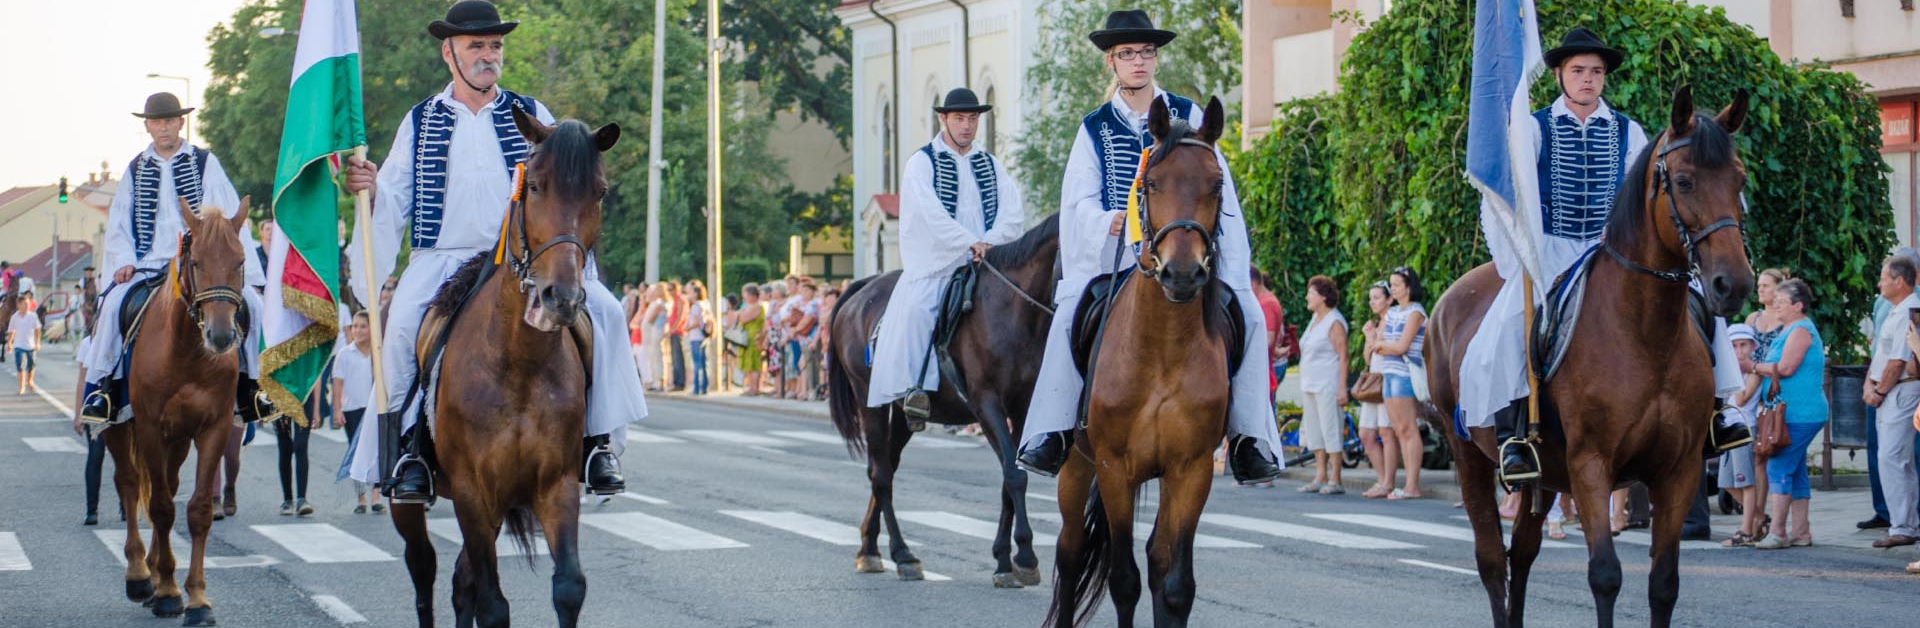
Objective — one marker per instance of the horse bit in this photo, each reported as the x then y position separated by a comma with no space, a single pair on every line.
185,285
521,261
1663,182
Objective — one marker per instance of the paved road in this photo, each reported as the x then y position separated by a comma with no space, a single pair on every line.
744,518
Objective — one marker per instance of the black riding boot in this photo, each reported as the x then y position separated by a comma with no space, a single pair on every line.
412,480
1725,436
1047,456
602,470
917,405
1519,462
253,404
1249,465
98,407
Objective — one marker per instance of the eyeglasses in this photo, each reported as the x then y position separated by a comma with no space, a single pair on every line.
1143,53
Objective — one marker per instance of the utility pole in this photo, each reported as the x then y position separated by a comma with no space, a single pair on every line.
714,248
654,163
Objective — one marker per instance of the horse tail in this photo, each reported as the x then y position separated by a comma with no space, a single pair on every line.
1086,592
844,403
520,526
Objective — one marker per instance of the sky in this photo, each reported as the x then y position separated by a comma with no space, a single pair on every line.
75,71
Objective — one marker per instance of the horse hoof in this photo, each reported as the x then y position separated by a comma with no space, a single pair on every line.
869,564
1007,581
199,617
911,571
140,590
168,606
1029,576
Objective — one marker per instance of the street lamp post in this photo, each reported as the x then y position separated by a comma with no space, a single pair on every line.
189,99
714,265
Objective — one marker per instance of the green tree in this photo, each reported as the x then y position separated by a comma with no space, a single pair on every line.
800,56
1068,77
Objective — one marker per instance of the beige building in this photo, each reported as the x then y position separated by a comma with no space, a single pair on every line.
31,216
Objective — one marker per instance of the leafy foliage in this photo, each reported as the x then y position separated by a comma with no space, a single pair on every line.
1395,145
1292,217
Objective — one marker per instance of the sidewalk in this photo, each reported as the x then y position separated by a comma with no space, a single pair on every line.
733,399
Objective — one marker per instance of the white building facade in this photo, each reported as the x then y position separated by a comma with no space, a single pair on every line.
906,55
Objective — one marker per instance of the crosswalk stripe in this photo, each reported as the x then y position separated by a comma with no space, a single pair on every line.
1422,563
449,529
811,437
649,437
116,540
1635,537
644,499
54,444
657,533
935,442
1143,530
815,528
338,609
960,524
736,437
1422,528
13,557
1304,533
322,543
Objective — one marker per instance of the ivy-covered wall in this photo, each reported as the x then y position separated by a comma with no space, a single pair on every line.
1355,184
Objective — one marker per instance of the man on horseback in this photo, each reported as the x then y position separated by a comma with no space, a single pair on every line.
1583,150
947,220
1100,171
450,174
143,236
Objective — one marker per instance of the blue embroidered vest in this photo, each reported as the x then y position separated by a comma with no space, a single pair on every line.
187,165
1579,169
1116,148
946,182
433,122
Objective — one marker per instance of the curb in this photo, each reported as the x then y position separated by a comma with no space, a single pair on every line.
811,410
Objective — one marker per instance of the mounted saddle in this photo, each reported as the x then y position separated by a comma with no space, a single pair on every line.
1554,324
436,324
956,301
1090,319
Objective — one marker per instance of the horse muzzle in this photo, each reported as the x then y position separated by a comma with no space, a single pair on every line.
1182,282
553,307
220,338
1726,291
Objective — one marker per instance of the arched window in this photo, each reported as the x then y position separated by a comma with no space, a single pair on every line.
988,124
933,98
886,146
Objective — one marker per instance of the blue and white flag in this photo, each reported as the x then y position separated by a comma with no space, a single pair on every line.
1500,157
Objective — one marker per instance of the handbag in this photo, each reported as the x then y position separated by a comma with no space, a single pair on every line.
1771,436
1370,388
1417,371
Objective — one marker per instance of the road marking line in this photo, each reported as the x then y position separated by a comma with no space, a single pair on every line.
657,533
934,442
804,525
1423,528
503,545
1630,537
648,437
736,437
322,543
811,437
55,401
13,557
1044,496
1143,530
1422,563
55,444
1304,533
116,540
960,524
644,499
770,450
338,610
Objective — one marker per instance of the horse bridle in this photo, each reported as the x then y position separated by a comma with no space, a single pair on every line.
521,260
1689,239
183,276
1161,233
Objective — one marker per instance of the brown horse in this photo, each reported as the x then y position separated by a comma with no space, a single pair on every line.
1157,393
181,385
507,422
994,359
1635,391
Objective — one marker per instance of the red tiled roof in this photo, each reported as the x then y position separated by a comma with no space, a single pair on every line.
73,253
889,204
9,195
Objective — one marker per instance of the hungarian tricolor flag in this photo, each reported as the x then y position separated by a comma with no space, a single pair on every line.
324,117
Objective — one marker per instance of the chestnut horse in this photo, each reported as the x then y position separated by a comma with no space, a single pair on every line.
507,421
181,381
994,358
1635,392
1157,393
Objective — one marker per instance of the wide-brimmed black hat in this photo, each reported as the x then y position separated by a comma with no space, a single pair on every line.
163,105
1581,41
961,100
471,17
1130,27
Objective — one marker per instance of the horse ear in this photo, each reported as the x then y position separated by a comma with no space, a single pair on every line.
1682,123
1216,121
188,217
1159,119
239,219
530,127
1735,114
605,137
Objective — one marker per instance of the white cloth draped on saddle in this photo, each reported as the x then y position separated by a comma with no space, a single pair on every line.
446,187
949,201
1098,174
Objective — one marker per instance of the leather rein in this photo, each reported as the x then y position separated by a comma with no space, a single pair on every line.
1689,239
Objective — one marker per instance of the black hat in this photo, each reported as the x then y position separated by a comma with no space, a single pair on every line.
163,105
471,17
961,100
1582,41
1130,27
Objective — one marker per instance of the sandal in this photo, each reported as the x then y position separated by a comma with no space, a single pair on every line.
1739,539
1333,489
1806,542
1556,532
1772,544
1377,491
1310,487
1913,567
1402,495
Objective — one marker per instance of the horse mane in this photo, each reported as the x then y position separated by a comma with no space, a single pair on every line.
456,288
573,159
1021,251
1712,147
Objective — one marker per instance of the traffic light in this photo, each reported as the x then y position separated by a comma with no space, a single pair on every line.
63,190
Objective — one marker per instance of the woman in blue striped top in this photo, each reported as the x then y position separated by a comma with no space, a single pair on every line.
1401,339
